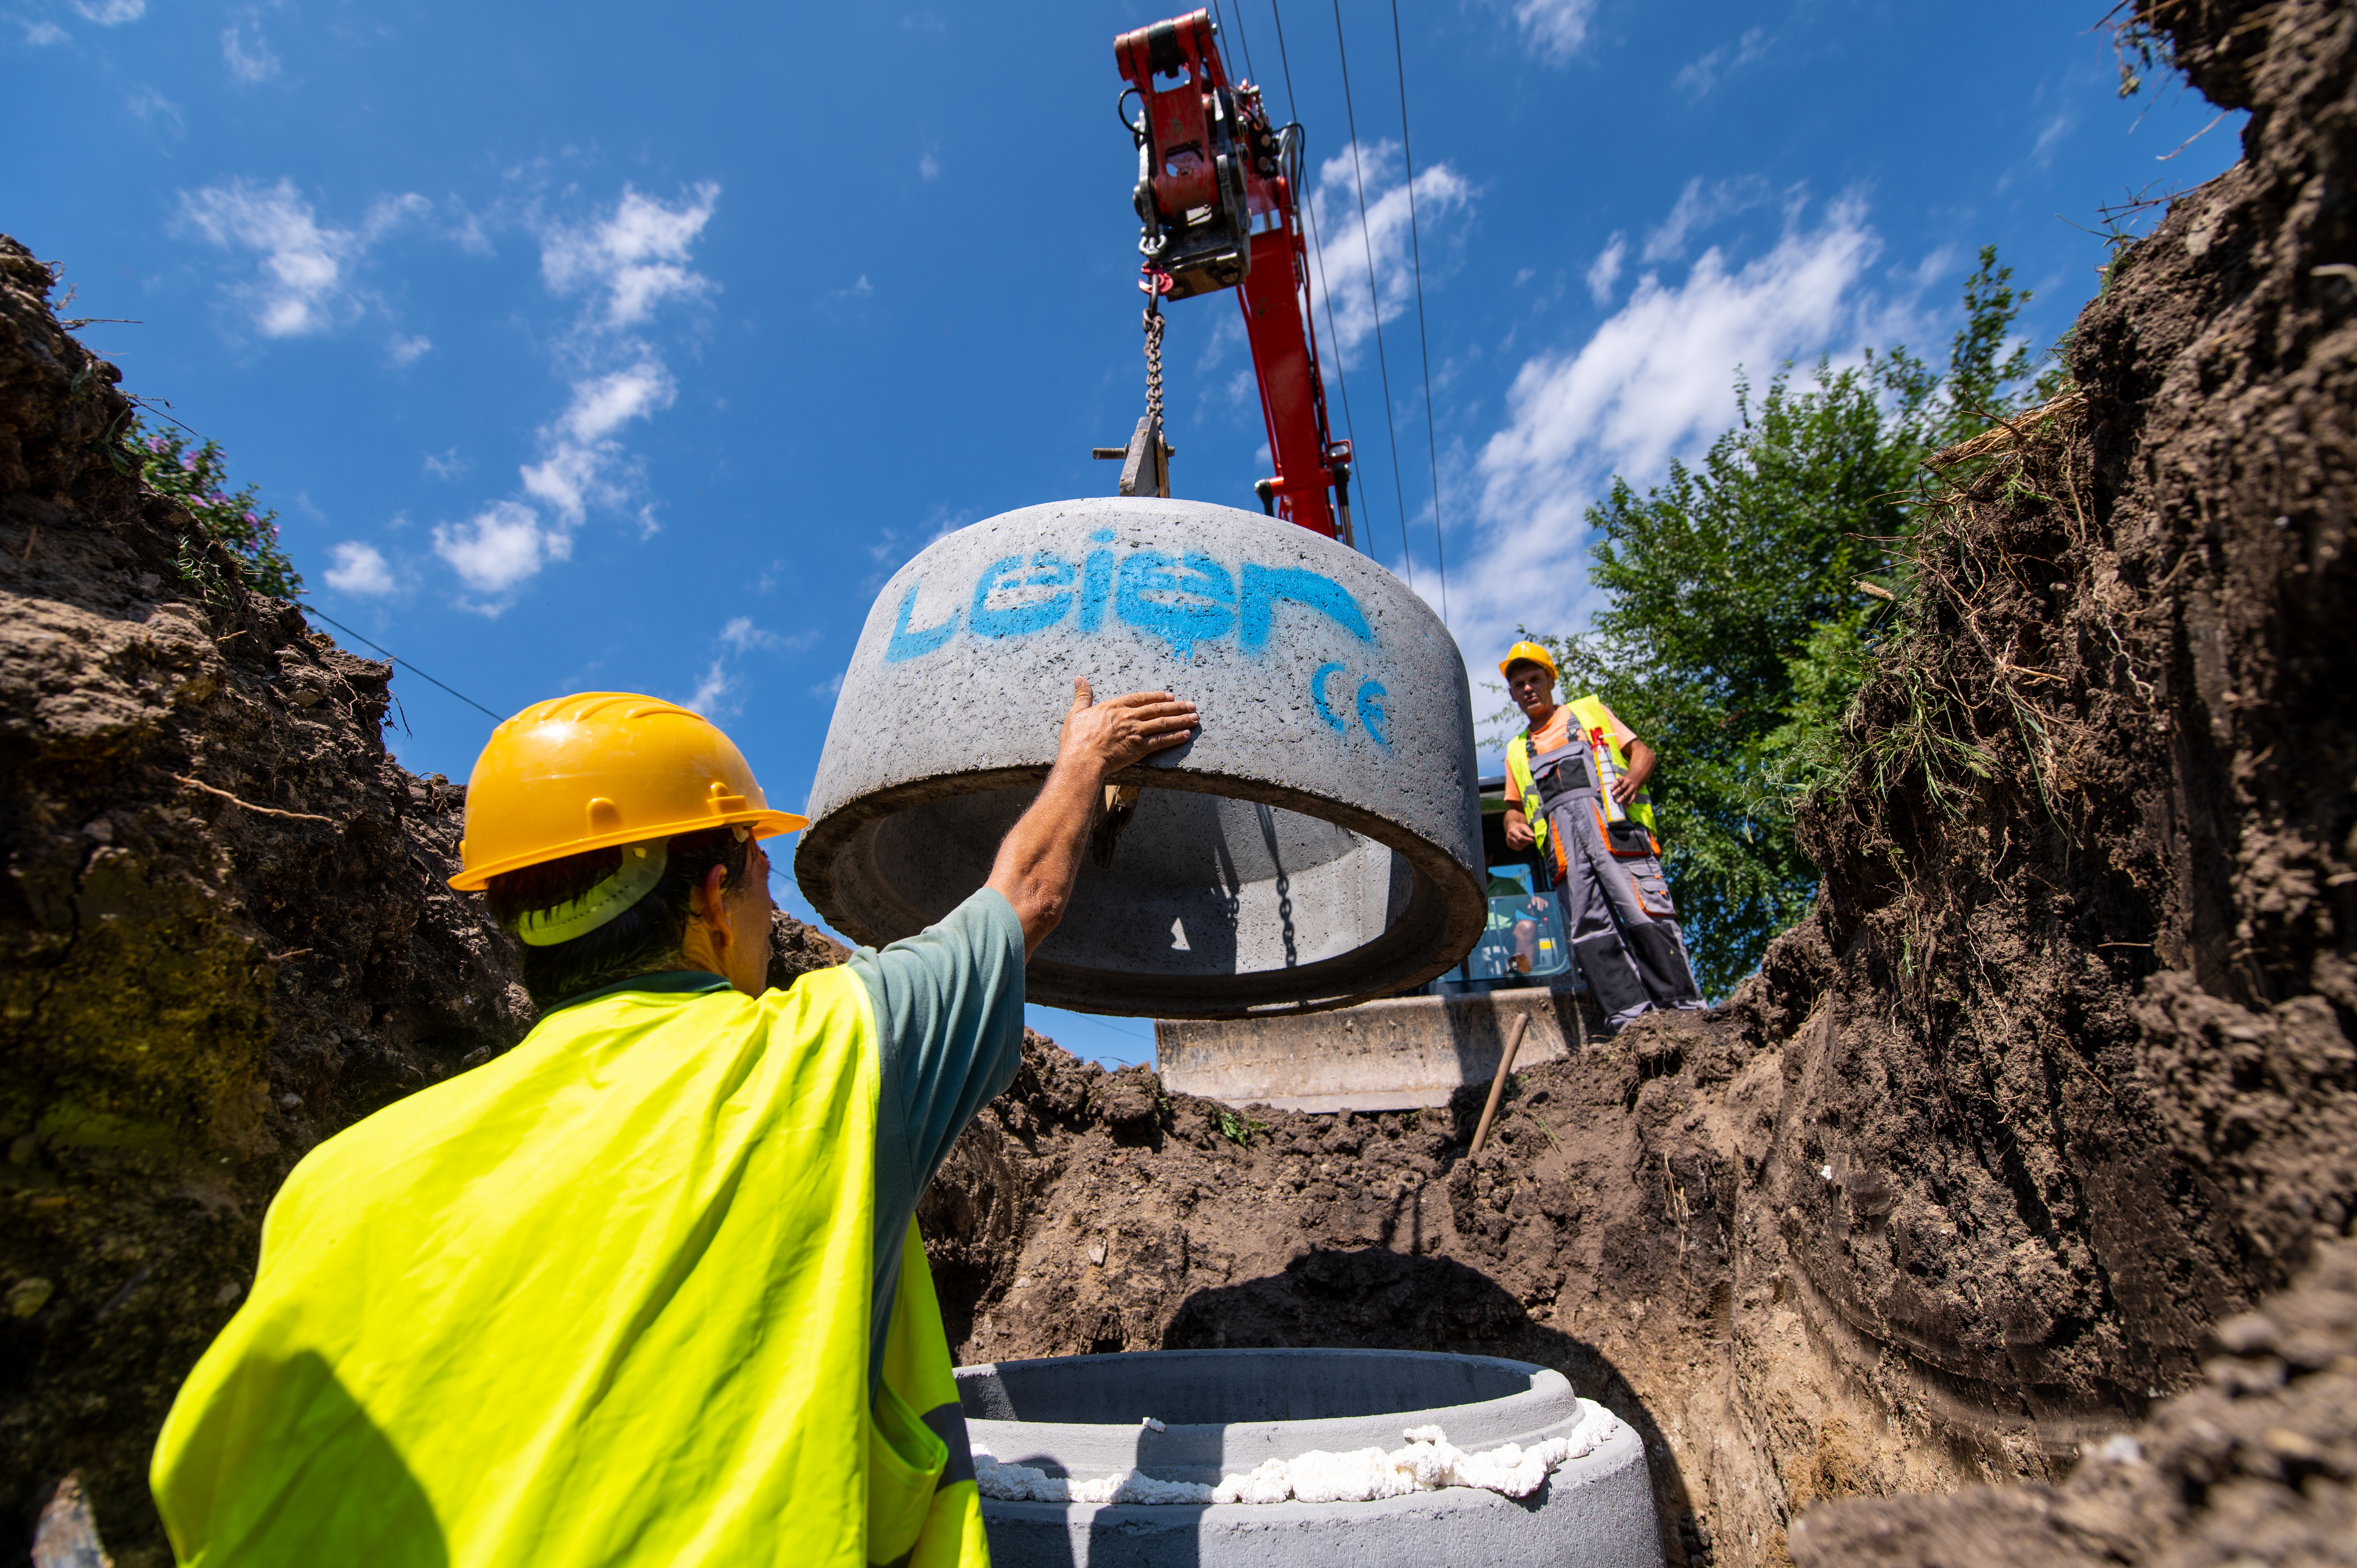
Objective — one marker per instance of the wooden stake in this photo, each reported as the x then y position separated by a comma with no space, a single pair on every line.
1498,1084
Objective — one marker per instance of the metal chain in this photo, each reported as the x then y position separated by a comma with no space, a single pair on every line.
1153,323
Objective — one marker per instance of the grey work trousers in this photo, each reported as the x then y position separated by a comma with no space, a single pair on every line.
1622,923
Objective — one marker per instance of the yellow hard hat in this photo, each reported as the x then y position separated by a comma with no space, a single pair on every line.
1530,652
600,769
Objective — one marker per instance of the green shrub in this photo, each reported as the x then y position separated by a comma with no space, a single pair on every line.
193,477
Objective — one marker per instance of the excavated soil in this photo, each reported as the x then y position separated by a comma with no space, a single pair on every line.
2008,1157
2254,1467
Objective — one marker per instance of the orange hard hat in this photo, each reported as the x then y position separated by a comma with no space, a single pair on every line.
601,769
1528,653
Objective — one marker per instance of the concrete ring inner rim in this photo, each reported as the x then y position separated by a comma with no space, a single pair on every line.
1443,919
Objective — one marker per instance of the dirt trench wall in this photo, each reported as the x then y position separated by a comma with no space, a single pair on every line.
194,989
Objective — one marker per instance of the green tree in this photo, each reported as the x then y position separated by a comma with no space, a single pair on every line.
1733,634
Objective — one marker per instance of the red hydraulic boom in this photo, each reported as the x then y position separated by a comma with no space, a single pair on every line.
1218,193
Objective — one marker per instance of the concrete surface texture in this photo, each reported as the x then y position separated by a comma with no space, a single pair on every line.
1402,1053
1225,1410
1317,844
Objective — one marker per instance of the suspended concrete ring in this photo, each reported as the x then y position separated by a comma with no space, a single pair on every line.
1316,844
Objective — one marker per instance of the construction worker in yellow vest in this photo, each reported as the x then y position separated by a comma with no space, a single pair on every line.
1576,793
646,1289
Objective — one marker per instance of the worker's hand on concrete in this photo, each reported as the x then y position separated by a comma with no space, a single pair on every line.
1112,735
1518,831
1041,855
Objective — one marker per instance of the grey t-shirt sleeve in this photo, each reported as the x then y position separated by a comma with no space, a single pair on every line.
949,1005
949,1018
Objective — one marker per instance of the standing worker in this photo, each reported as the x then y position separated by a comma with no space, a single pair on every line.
1594,827
648,1288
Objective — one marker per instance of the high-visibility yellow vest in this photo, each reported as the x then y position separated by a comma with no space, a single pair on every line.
605,1300
1587,714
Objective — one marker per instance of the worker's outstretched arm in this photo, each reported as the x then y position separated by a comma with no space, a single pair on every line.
1041,855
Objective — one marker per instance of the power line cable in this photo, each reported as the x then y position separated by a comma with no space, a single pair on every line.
1292,109
1374,300
1244,42
1423,343
311,609
1334,336
1318,253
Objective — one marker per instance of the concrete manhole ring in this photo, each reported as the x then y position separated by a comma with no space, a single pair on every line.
1318,843
1224,1411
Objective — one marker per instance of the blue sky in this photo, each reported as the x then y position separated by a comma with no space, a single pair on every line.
600,348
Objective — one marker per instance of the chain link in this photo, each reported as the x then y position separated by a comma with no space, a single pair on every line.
1153,323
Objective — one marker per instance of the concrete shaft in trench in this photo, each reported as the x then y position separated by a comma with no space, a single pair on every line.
1225,1412
1317,844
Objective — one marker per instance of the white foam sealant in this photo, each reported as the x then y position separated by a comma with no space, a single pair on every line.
1427,1464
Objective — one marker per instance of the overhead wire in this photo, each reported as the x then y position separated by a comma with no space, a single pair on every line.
1246,42
1423,342
399,663
1375,299
1317,252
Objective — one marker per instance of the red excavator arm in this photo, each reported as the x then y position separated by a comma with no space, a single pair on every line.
1218,189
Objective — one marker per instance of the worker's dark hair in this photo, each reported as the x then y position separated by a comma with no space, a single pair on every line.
1534,663
642,938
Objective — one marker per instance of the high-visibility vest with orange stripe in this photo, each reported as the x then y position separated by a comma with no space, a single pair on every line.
1589,714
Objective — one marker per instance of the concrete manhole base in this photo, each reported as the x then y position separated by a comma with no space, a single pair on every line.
1318,842
1224,1411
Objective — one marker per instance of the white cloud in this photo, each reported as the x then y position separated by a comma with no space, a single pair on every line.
623,262
1556,27
499,547
1699,77
1654,382
844,304
150,104
249,59
446,464
1605,271
111,13
635,256
1441,193
2051,137
583,464
360,569
1698,207
39,34
929,167
403,353
715,685
306,269
741,635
